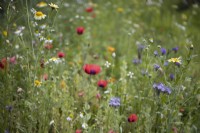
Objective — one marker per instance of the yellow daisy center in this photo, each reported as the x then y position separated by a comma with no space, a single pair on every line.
39,13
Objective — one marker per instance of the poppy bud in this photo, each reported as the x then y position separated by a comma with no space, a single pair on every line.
80,30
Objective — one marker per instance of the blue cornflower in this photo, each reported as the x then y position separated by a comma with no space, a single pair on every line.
171,76
137,61
166,63
160,87
156,67
6,131
175,49
114,102
163,51
155,53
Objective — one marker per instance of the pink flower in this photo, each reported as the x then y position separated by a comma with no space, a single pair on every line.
98,96
78,131
45,76
13,60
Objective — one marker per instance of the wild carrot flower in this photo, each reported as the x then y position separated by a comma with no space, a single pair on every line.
80,30
102,83
37,83
39,15
53,6
114,102
41,4
175,60
84,125
92,69
132,118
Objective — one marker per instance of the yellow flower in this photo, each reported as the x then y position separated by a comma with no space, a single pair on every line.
5,33
120,10
53,6
37,83
175,60
39,15
41,4
111,49
63,84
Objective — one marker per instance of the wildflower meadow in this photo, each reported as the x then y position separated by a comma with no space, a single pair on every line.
99,66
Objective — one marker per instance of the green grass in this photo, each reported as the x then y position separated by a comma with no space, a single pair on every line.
69,91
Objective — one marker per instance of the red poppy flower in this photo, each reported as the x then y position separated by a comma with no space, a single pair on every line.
61,54
3,63
78,131
92,69
102,83
80,30
132,118
89,9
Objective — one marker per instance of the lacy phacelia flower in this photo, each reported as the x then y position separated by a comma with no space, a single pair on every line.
80,30
102,83
39,15
114,102
92,69
161,88
53,6
175,60
37,83
41,4
132,118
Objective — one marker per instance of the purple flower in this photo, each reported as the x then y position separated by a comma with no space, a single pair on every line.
6,131
9,108
175,49
171,76
156,67
155,53
163,51
137,61
160,87
178,64
166,63
114,102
